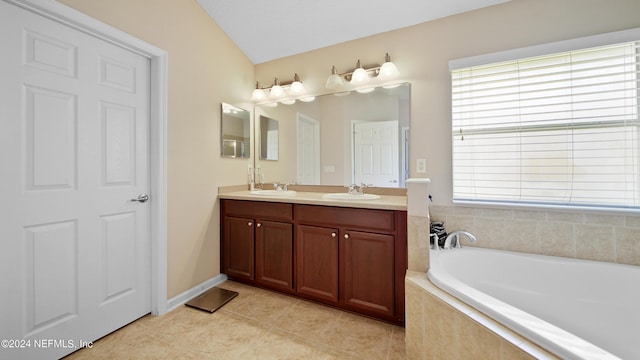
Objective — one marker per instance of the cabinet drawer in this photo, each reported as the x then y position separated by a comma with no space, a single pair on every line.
367,219
258,209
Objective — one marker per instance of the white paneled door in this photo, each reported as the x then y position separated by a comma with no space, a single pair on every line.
74,151
375,157
308,150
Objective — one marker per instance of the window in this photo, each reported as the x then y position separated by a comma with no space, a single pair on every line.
556,129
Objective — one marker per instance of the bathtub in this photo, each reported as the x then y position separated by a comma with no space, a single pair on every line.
575,309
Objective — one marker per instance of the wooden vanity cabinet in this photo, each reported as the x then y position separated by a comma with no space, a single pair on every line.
351,258
317,263
274,254
368,272
257,243
238,244
369,248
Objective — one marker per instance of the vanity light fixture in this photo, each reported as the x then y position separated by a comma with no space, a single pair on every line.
286,93
362,75
296,86
391,86
258,93
388,70
334,81
366,90
276,90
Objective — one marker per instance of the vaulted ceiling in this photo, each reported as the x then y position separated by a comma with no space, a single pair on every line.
268,30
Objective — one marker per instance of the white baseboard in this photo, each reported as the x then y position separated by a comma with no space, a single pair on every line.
182,298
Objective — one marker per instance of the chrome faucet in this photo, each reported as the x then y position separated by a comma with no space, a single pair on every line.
281,186
357,189
454,238
435,238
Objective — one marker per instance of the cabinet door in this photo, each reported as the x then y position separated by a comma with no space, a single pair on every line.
274,254
368,272
317,263
239,248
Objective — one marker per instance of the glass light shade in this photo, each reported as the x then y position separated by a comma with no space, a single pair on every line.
288,101
334,81
276,91
391,86
307,99
296,88
388,70
258,95
360,76
366,90
271,104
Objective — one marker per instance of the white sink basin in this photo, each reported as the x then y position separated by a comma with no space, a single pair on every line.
277,193
346,196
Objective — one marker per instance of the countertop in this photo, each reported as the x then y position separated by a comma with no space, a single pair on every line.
386,202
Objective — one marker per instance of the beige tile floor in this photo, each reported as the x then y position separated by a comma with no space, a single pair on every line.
257,324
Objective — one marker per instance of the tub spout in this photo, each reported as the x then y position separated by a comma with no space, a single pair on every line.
455,238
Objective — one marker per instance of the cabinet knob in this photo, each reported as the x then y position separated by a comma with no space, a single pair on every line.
249,223
259,224
333,234
346,236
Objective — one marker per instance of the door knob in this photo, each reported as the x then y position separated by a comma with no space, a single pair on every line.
333,234
346,236
259,224
142,198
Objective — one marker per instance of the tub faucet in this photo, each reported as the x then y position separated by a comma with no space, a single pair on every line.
455,238
435,238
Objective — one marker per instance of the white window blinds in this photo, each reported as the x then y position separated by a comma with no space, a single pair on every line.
558,129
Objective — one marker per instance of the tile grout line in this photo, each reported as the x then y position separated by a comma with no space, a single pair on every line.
389,343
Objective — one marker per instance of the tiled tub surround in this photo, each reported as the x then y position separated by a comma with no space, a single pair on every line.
582,235
439,326
418,243
436,321
574,308
418,224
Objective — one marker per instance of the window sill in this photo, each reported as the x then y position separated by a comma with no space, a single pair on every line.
547,207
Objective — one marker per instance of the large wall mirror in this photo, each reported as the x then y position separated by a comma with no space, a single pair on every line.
236,132
341,139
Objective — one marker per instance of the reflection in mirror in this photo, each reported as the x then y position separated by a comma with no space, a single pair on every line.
268,131
236,132
342,139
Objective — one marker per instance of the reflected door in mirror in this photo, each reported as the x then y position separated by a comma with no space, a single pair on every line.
376,153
